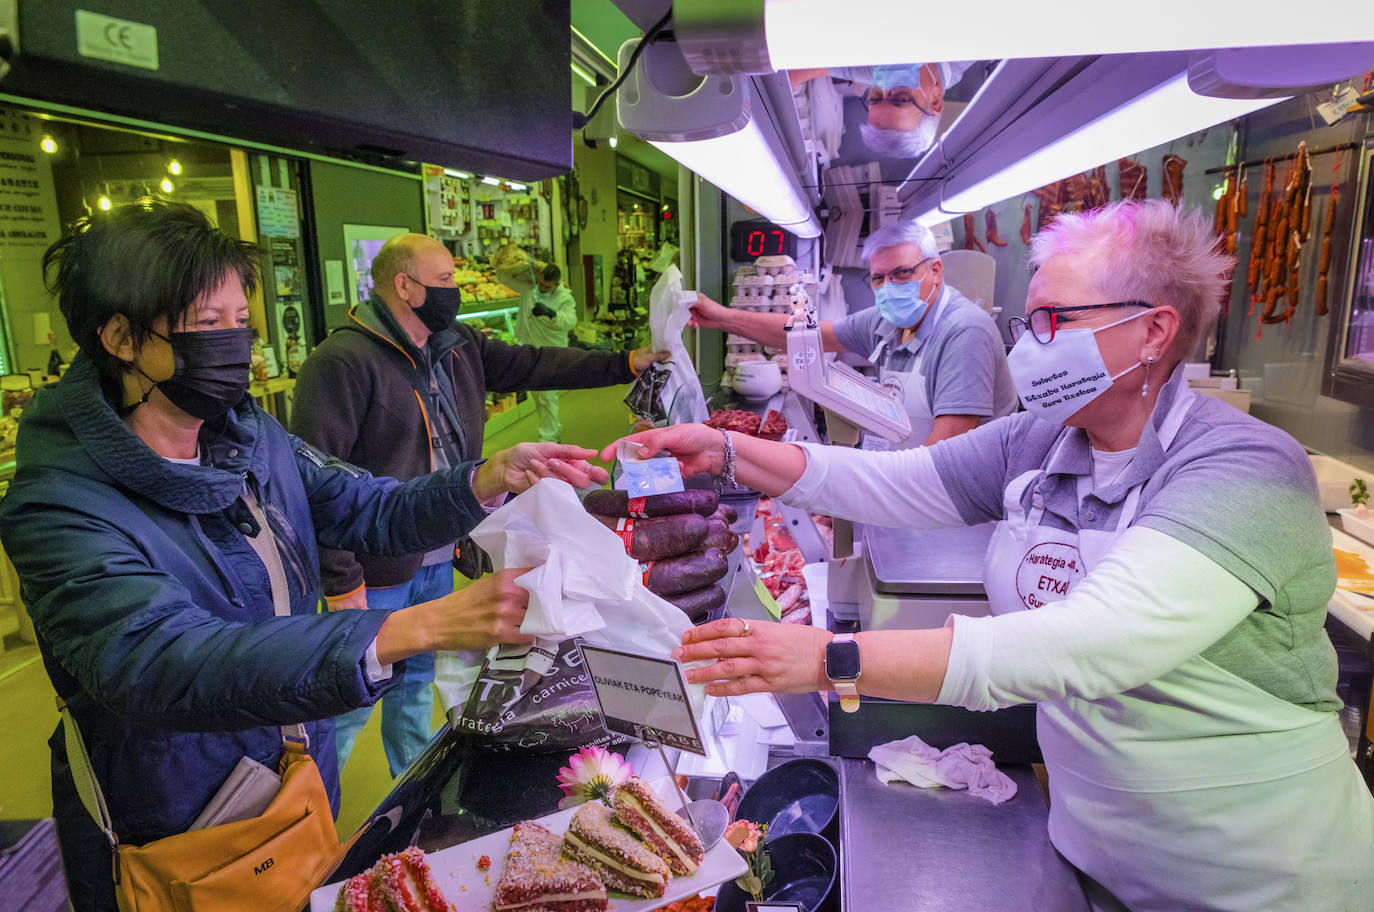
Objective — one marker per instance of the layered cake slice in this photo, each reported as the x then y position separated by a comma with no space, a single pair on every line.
671,838
537,879
623,862
400,882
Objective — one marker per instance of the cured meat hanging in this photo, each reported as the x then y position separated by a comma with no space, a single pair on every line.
971,234
993,237
1324,258
1132,178
1026,226
1294,220
1172,187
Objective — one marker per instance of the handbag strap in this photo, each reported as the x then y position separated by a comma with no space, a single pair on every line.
294,736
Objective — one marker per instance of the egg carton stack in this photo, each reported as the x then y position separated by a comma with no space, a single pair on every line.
765,286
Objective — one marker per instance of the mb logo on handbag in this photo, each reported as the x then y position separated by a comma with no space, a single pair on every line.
258,869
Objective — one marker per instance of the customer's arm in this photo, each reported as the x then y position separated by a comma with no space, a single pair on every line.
516,368
133,637
331,401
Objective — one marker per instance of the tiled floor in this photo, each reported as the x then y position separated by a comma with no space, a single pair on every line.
28,714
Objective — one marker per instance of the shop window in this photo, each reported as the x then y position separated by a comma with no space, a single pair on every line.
1349,372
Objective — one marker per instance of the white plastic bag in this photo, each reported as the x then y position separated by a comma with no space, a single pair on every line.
669,311
581,583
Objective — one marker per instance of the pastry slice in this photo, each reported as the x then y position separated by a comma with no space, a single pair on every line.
404,884
671,838
537,879
358,895
623,862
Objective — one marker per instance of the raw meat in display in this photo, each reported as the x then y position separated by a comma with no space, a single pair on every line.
741,420
774,426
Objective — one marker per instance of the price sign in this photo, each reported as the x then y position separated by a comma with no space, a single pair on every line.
751,906
644,698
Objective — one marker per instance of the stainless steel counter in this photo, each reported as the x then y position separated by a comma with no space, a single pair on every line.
906,849
928,561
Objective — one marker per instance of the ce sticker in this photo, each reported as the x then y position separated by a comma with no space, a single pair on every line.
118,36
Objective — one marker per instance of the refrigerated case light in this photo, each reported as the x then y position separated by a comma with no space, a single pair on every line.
746,167
799,34
1164,113
587,77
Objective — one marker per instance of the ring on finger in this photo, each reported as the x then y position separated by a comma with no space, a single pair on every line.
745,632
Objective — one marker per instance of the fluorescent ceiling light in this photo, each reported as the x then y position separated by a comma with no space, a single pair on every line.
460,174
588,77
746,167
1164,113
814,33
512,185
492,181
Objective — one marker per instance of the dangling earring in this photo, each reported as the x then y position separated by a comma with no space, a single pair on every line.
1145,387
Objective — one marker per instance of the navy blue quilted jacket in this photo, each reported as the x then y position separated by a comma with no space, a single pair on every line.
154,614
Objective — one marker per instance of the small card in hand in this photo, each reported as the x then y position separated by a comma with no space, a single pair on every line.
247,792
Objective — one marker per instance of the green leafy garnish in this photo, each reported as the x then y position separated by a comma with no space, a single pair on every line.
1359,494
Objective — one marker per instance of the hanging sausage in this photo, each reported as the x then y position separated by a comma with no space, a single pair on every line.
993,237
1172,187
1324,259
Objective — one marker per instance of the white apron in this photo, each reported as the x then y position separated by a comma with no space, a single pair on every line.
910,385
1197,790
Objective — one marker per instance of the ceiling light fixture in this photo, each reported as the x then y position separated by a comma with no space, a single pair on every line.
492,181
48,144
167,186
174,167
459,174
104,203
769,35
717,127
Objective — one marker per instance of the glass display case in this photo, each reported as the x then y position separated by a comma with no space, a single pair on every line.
1349,372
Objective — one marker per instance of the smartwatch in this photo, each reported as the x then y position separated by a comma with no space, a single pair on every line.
842,668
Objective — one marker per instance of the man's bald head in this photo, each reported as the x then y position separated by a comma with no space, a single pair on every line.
403,254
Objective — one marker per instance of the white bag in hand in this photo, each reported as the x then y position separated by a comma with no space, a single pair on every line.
581,583
682,397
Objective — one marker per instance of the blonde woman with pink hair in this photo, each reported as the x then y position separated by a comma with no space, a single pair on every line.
1158,578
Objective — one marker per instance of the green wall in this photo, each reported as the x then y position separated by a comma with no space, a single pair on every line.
359,196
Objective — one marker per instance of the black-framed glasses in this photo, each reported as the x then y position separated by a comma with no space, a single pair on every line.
901,275
895,97
1044,320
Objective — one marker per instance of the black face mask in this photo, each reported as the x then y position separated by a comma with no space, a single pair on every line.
441,306
212,371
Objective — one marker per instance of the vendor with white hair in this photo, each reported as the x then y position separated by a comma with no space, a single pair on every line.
937,349
1158,579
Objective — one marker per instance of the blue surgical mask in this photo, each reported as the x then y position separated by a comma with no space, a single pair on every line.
1057,379
901,304
897,74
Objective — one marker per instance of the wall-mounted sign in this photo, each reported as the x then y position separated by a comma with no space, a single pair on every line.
277,213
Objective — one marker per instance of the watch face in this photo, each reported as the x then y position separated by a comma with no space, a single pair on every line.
842,661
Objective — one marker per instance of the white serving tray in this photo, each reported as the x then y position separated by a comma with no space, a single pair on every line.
1363,529
456,873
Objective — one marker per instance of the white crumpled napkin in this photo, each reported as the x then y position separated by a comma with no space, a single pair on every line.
581,583
963,766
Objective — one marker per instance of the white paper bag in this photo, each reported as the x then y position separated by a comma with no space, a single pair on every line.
581,583
682,397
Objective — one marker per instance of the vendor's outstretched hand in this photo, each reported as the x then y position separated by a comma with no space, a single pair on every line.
707,314
641,358
771,657
523,465
698,447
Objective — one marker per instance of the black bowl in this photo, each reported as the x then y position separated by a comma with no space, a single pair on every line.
804,871
800,796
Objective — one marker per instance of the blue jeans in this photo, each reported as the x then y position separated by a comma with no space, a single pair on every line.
408,707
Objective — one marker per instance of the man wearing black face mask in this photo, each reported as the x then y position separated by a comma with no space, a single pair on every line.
401,390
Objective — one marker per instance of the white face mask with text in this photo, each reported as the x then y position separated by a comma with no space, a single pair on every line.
1056,379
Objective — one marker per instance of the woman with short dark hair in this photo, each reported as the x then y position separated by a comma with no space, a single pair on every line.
136,517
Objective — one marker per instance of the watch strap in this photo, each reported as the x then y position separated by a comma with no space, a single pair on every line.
848,691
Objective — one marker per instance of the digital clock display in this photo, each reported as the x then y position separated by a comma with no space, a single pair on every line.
753,239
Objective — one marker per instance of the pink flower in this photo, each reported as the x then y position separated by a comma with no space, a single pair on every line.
591,774
743,835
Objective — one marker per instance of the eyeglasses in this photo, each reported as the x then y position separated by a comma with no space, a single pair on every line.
896,97
1043,321
900,275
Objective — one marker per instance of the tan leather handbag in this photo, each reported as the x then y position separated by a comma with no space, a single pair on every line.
268,863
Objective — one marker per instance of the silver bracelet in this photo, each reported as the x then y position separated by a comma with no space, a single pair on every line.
726,478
